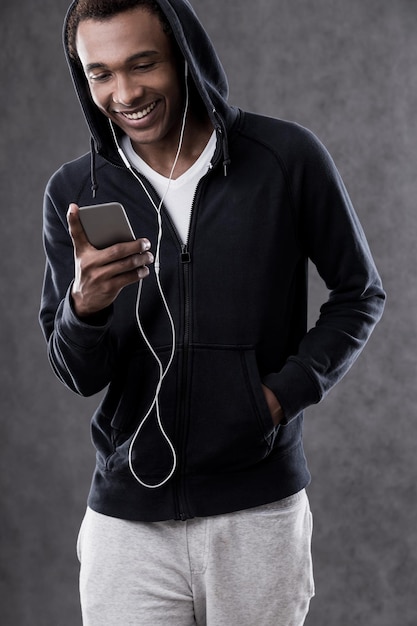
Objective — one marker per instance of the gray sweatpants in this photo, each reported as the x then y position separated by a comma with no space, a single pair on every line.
249,568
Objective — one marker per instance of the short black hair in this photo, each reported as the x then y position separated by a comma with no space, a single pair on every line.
102,9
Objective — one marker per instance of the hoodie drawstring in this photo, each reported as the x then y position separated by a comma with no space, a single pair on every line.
225,144
94,185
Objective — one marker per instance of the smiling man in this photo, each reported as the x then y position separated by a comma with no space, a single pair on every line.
197,512
135,74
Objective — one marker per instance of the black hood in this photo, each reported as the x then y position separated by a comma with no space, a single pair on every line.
205,70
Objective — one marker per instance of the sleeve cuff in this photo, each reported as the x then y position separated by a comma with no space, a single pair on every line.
80,332
294,388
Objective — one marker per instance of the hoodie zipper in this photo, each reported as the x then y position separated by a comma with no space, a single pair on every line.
184,388
185,258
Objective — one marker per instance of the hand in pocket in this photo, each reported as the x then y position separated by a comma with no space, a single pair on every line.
274,406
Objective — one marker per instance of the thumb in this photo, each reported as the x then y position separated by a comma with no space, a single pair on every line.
76,231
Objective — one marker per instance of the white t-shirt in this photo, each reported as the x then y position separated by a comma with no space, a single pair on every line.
180,196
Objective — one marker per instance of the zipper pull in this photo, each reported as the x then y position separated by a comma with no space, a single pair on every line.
185,254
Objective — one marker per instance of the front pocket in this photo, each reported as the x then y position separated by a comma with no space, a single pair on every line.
230,425
130,397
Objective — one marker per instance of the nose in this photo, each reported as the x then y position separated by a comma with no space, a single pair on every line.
126,91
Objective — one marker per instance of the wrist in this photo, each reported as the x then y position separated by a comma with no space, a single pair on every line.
93,318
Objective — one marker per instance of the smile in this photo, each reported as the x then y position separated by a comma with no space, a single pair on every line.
138,115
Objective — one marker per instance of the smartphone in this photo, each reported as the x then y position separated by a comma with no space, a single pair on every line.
106,224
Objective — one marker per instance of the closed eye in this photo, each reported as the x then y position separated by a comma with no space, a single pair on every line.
99,77
145,67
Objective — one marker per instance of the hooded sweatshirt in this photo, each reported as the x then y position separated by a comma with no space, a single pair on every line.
237,293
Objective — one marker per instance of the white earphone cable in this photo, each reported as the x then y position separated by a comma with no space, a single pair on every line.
162,371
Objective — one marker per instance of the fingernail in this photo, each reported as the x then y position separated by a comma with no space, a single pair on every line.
142,271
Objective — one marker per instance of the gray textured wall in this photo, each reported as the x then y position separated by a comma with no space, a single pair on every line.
347,71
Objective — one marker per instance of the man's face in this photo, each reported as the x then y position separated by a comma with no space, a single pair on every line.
133,75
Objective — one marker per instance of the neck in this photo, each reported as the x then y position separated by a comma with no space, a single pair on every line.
161,157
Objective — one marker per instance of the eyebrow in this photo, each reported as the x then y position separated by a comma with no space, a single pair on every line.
146,54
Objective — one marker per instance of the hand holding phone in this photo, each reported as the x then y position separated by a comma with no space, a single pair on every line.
102,268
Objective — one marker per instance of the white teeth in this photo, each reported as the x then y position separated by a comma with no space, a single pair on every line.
140,114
